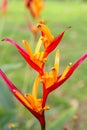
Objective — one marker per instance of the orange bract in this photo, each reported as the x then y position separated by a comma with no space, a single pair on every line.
37,57
35,6
47,37
49,78
36,104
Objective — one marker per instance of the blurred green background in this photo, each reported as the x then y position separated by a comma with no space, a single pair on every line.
58,15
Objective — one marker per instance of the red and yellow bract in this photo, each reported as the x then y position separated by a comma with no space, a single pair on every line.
49,80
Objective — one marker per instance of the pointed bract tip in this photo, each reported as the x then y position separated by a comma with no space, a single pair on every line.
5,39
68,27
2,39
70,64
23,41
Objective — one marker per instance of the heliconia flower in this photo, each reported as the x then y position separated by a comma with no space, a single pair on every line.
55,81
35,6
3,7
36,60
50,43
49,78
31,102
68,72
37,57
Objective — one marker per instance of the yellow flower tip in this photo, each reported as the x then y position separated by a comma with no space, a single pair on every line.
53,68
26,95
35,30
66,71
23,41
70,64
42,78
46,108
26,45
45,59
48,37
39,26
11,125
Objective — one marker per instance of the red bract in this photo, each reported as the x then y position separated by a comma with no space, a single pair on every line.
55,42
25,55
68,74
51,80
49,42
33,105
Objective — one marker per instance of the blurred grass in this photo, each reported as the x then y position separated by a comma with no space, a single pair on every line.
57,15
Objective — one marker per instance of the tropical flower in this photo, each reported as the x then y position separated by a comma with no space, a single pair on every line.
34,6
28,56
49,80
50,43
38,59
30,101
59,80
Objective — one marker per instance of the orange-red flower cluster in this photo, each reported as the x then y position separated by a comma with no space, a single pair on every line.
49,80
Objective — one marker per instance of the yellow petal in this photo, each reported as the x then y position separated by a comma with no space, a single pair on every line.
41,57
65,71
38,45
22,98
31,100
26,44
46,108
56,65
46,31
35,87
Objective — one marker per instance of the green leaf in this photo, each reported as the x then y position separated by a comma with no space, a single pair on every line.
57,125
